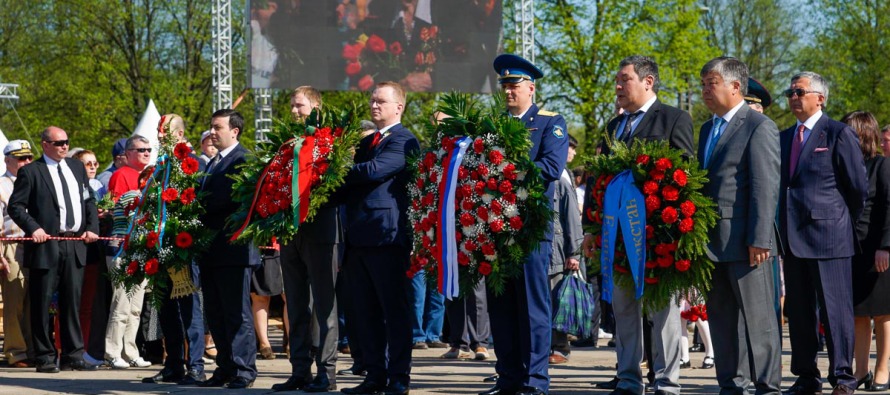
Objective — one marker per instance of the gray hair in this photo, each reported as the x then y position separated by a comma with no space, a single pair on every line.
731,69
131,142
367,125
817,83
644,66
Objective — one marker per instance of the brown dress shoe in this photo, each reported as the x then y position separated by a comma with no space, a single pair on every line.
557,359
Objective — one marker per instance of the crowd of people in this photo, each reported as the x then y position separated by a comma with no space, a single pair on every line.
815,194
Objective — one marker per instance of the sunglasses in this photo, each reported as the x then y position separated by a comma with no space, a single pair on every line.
141,150
58,143
799,92
25,158
91,164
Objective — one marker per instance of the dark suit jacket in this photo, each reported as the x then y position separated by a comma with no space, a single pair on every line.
660,122
826,193
326,227
742,176
218,205
33,205
873,226
376,191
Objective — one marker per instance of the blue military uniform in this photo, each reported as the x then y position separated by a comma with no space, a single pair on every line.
521,317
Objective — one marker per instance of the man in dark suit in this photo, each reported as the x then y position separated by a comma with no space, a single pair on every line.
51,198
378,245
310,262
644,118
225,267
823,190
739,147
520,316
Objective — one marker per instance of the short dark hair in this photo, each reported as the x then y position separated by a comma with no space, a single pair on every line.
573,142
731,69
236,121
644,66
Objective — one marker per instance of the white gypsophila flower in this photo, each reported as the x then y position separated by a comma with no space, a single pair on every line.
491,258
430,233
502,166
469,231
522,194
486,198
510,210
520,175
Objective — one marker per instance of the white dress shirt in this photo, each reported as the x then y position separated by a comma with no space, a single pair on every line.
77,195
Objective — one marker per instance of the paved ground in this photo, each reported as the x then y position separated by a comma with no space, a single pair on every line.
430,375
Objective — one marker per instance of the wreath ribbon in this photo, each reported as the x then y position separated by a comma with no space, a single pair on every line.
261,181
446,249
142,200
624,206
303,173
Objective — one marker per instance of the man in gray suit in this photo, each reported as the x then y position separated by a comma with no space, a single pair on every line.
645,118
739,148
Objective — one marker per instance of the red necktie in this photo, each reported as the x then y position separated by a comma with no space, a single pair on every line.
376,140
796,146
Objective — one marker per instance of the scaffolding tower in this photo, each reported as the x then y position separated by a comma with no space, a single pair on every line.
222,54
263,110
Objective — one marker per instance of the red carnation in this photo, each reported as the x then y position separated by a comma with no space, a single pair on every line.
353,68
376,44
351,52
395,48
682,265
665,261
470,246
479,188
482,213
151,267
365,82
132,268
663,164
650,187
669,215
487,248
650,231
497,226
656,175
429,160
189,165
496,207
482,170
505,186
419,183
485,268
462,173
463,259
686,225
495,157
651,280
670,193
151,239
509,197
516,223
642,159
187,196
467,220
653,203
478,145
467,204
680,177
687,208
181,151
651,264
492,184
170,194
183,240
662,249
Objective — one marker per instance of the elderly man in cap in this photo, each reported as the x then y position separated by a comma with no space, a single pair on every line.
119,160
208,151
13,281
520,316
757,97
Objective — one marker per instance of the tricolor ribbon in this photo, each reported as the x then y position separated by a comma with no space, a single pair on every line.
302,178
446,248
142,201
624,206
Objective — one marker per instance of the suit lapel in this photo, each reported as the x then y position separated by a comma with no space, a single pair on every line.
43,169
703,141
816,139
645,125
730,130
785,143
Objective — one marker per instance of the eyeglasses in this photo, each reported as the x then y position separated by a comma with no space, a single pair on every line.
372,102
91,164
58,143
140,150
799,92
25,158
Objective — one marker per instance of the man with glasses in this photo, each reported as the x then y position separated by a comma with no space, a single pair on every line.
51,198
822,191
125,179
13,279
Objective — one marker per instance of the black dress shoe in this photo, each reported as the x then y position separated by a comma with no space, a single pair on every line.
608,385
491,379
498,390
366,387
193,377
239,383
866,381
798,389
166,375
397,389
47,368
353,371
530,391
215,381
320,384
293,383
685,365
875,387
78,365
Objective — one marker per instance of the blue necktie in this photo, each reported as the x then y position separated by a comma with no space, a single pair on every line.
715,135
628,126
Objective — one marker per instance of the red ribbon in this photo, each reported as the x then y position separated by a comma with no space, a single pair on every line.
256,195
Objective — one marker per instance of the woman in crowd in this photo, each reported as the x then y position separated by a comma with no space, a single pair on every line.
871,282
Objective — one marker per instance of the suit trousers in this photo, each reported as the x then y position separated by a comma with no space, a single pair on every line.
310,277
95,344
183,321
230,319
380,296
16,314
521,323
123,322
743,324
468,324
65,276
665,361
824,287
350,325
